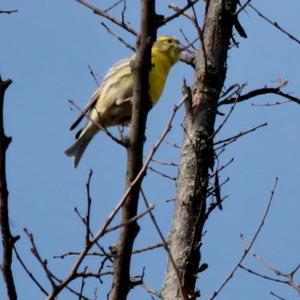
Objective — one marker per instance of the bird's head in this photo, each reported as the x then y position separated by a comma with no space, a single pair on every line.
169,46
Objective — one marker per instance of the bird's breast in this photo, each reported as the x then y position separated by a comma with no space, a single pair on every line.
157,77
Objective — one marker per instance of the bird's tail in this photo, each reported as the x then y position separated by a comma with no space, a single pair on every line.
78,147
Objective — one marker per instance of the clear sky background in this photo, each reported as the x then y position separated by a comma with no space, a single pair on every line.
46,48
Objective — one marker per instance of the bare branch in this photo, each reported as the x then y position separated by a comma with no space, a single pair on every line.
164,243
89,203
277,296
94,76
243,7
158,245
135,251
151,291
226,142
104,14
193,18
246,251
179,12
43,262
228,115
8,11
120,39
164,163
130,221
262,275
114,5
289,276
173,178
30,273
85,113
259,92
275,24
33,278
8,240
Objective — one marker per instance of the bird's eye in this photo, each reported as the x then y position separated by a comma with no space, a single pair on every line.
170,41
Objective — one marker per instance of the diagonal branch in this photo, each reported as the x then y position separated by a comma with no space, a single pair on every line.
107,16
179,12
29,273
275,24
249,247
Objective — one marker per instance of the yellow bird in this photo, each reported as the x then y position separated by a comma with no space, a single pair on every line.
110,105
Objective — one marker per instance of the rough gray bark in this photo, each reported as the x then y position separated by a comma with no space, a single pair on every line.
141,105
197,152
8,240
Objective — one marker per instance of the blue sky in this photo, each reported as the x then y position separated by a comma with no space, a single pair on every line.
46,49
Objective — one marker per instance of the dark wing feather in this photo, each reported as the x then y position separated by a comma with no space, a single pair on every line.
85,111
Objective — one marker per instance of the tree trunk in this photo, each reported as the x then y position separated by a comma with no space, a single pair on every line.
197,152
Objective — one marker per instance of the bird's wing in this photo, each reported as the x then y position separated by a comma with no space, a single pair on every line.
92,102
109,77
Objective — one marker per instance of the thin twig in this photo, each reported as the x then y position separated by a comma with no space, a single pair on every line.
164,163
275,24
271,104
276,296
233,138
200,35
94,76
120,142
89,203
262,275
166,247
246,251
243,7
141,250
228,115
113,5
135,218
211,192
193,18
187,40
43,262
174,145
135,251
288,275
22,263
162,174
104,14
120,39
221,168
83,219
32,277
123,11
178,13
151,291
82,284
